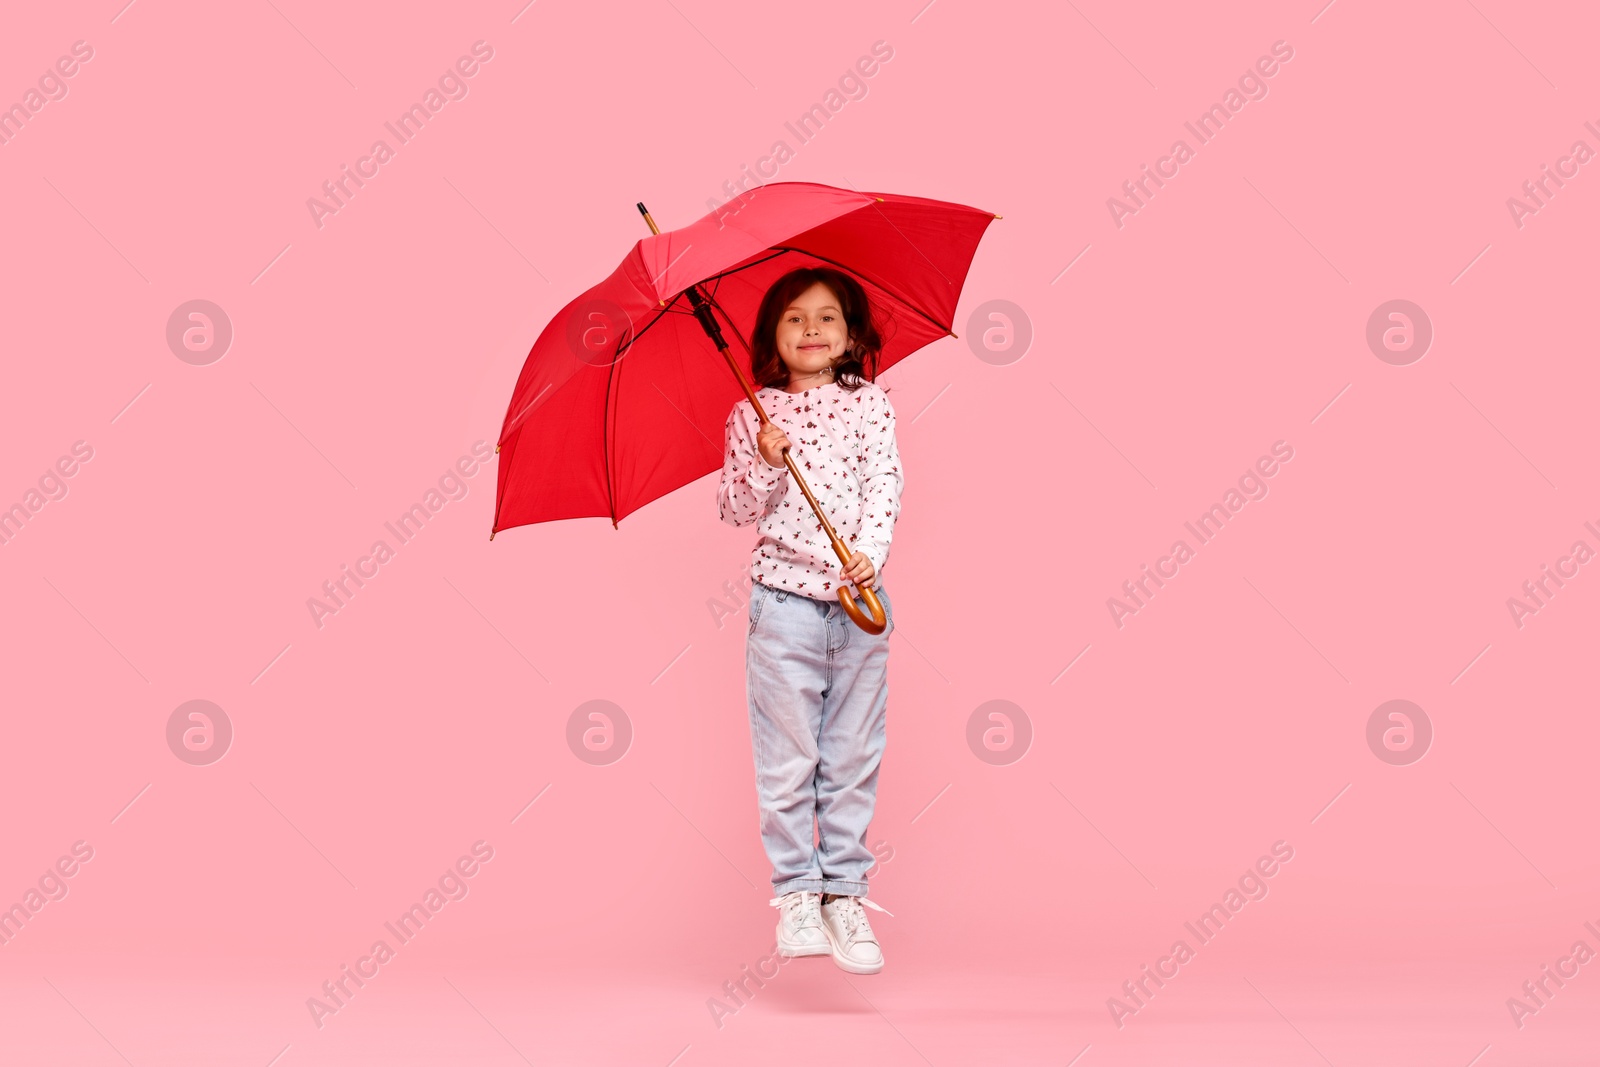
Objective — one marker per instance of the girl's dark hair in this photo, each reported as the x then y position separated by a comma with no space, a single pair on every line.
860,363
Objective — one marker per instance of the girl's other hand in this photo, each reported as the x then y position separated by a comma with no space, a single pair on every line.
859,571
771,441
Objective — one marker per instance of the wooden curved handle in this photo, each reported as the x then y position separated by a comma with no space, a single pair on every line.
875,623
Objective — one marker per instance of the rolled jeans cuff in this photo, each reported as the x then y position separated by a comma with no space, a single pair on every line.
820,885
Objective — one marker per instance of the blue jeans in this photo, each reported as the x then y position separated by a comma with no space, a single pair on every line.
818,687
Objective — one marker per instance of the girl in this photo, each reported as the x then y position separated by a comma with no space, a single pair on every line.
817,684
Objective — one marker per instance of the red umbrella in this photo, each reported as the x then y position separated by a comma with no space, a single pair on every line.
621,400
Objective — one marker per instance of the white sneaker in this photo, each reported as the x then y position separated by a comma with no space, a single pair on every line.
800,929
855,949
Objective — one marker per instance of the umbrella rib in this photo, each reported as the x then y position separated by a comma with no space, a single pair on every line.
753,263
605,438
669,308
613,380
874,281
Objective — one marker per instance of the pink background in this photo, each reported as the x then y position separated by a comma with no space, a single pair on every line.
1229,313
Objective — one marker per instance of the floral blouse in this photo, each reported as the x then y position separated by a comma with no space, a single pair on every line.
843,443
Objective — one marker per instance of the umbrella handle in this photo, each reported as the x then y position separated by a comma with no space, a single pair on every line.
875,623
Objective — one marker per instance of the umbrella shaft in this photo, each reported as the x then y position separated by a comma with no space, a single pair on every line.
708,321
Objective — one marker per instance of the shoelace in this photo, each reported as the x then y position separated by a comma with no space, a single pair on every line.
855,920
792,907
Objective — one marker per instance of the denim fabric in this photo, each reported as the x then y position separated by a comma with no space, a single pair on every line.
818,688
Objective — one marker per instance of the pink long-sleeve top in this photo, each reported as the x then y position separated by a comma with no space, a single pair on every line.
843,442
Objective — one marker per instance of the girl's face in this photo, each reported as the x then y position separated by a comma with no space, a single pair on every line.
811,332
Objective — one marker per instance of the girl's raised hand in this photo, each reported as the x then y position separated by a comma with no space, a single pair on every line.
771,441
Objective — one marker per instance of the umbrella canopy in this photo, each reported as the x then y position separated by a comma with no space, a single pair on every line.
623,398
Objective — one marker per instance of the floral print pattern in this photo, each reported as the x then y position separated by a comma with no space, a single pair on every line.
843,443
